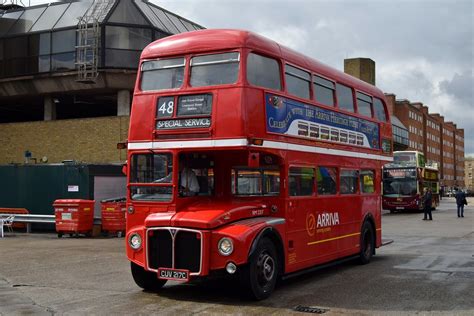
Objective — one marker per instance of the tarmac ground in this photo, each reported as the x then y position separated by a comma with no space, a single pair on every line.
429,269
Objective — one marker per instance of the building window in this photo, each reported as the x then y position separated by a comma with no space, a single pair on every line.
124,45
133,38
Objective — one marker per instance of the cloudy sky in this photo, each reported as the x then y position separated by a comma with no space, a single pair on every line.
423,49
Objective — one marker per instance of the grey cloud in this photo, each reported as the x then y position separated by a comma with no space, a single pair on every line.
460,86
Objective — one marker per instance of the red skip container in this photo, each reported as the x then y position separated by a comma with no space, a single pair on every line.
74,217
113,215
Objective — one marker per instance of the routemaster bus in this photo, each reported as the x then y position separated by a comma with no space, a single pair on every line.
405,181
250,159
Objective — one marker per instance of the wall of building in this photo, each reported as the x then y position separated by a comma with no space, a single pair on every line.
412,118
469,173
459,150
91,140
450,154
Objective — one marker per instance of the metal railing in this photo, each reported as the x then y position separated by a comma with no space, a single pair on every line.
29,219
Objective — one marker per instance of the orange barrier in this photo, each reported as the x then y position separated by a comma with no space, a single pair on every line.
12,210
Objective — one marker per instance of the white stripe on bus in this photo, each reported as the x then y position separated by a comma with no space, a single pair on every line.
243,142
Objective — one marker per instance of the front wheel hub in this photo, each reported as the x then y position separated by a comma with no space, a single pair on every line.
266,268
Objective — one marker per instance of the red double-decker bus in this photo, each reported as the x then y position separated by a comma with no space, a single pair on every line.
248,158
405,181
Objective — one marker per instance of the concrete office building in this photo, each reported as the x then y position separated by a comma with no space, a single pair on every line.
67,72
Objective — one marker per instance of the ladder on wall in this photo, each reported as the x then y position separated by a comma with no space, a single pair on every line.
88,41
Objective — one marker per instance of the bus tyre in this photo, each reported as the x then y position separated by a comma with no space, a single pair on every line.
367,243
260,274
145,279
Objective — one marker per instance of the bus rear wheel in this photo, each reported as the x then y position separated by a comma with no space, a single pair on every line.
260,274
367,243
145,279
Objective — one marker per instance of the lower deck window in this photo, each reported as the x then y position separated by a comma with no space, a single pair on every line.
367,181
327,180
348,181
301,181
255,182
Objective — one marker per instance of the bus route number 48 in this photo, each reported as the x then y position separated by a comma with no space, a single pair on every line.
166,108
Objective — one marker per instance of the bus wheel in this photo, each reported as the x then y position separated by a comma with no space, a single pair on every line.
367,243
146,280
261,273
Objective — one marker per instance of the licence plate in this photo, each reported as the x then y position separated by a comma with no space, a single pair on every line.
400,208
66,216
173,274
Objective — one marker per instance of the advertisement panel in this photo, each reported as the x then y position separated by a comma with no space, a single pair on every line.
294,118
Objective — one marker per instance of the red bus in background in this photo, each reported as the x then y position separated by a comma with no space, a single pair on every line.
405,180
249,158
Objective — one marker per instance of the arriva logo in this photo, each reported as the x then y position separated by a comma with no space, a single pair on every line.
328,219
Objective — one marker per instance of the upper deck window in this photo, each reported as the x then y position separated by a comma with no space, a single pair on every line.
345,99
162,74
364,104
263,72
324,91
217,69
379,110
297,81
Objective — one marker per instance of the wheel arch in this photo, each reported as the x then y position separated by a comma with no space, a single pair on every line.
275,237
369,218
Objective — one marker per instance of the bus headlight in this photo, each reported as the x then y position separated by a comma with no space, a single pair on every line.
135,241
225,246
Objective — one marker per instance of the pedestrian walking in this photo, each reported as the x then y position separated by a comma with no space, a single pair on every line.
460,202
428,201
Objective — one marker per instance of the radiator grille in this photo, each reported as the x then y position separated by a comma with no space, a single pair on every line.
181,252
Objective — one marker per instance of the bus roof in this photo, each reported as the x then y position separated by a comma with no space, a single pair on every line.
224,39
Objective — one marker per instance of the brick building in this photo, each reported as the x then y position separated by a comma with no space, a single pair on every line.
415,128
469,173
441,142
66,82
